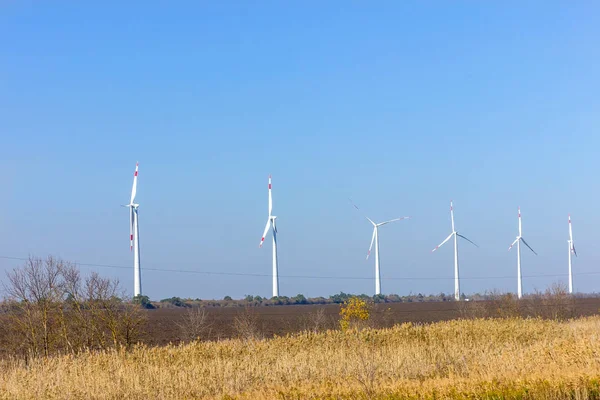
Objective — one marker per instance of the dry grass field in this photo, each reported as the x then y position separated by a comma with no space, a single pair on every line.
510,358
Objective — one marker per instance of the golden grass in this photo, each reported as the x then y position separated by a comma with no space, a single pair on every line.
466,359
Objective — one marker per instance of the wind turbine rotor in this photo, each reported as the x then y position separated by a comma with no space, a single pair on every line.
513,243
391,220
467,239
445,240
270,197
372,240
571,243
525,243
262,240
452,216
131,227
134,187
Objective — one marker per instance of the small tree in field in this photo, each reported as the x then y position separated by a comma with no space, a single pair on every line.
354,313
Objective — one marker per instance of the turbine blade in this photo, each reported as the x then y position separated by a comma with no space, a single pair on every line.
391,220
131,220
264,233
570,230
372,240
523,240
355,206
452,215
520,230
513,243
571,238
270,197
467,239
134,188
441,244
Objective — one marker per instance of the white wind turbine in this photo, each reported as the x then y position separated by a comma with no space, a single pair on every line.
271,223
571,252
518,241
375,238
456,236
134,236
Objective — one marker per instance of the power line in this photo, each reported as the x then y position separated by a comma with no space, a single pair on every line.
189,271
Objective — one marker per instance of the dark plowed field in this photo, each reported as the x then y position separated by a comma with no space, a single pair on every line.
163,323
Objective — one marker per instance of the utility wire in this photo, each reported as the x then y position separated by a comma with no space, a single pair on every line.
189,271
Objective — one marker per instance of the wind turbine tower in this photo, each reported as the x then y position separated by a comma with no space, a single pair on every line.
518,241
134,236
271,224
375,239
456,235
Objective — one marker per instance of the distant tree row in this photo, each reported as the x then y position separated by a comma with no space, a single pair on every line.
250,300
295,300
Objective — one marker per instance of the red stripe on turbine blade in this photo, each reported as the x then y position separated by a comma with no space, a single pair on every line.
269,186
135,173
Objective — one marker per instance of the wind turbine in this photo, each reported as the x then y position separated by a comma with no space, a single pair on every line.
456,236
134,236
375,238
271,223
518,241
571,252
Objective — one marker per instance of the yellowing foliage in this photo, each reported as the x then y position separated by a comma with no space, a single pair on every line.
354,312
464,359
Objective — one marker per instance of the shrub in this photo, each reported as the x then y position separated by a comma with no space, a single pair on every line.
354,313
143,301
299,299
176,301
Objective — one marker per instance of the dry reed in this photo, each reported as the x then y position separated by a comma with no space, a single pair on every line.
498,358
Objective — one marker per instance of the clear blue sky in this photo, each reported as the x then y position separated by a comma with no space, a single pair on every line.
400,105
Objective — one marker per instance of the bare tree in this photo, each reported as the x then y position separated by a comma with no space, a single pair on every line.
52,308
131,320
195,324
36,290
316,321
245,324
558,302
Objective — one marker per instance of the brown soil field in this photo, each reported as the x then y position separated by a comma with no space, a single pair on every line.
162,324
